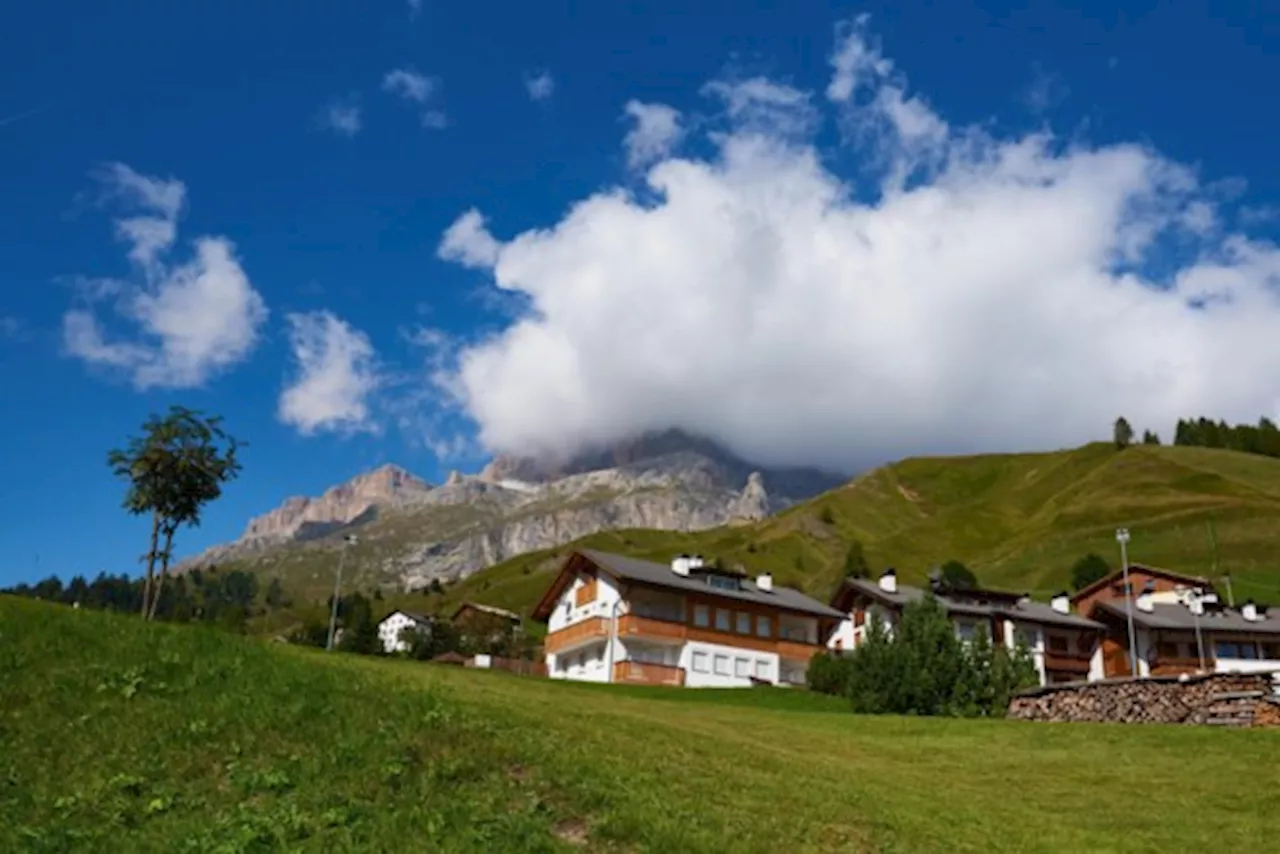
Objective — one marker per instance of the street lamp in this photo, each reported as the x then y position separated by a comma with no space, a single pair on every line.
348,540
1122,537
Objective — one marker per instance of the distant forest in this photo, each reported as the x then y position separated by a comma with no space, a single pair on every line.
1263,438
225,598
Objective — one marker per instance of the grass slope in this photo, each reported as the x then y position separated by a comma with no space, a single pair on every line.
117,736
1018,520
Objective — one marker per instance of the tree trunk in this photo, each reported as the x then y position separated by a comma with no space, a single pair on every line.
164,570
151,563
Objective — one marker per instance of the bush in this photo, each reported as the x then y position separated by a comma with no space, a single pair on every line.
922,668
829,673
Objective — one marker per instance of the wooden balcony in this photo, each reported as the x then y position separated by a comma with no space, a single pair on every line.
1168,665
634,626
585,631
644,673
1067,662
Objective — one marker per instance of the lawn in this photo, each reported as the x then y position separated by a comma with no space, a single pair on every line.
115,736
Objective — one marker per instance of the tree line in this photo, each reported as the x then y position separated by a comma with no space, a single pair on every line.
1262,439
227,599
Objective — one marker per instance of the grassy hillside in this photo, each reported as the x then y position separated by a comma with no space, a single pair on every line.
1018,520
115,735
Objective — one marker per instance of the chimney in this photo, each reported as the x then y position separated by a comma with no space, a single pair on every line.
1061,603
695,562
680,565
1196,605
1144,602
764,583
1249,611
889,581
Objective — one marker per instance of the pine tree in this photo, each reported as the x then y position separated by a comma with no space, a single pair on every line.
1123,434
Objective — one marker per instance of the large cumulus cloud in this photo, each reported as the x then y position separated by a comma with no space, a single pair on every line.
987,294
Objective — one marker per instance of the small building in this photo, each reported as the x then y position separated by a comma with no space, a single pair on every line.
612,618
391,629
1066,647
472,611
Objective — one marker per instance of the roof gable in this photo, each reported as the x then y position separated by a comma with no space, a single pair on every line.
1113,577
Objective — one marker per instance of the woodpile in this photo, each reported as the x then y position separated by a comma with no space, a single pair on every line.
1220,699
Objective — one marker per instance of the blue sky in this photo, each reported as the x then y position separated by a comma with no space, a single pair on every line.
336,145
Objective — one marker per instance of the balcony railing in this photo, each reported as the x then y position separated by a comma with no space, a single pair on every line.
644,673
586,630
634,625
1071,662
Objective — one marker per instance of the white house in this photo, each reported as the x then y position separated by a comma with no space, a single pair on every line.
612,618
393,625
1065,646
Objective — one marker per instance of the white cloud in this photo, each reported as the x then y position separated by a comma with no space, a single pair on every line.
342,117
762,106
417,88
193,319
469,243
657,131
1013,295
336,375
540,86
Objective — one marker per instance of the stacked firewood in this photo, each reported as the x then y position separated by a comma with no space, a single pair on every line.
1267,713
1227,699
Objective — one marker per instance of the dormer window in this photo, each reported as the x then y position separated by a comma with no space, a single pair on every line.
720,582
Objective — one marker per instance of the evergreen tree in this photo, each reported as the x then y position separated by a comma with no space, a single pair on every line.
855,561
1087,570
1150,438
956,576
1122,434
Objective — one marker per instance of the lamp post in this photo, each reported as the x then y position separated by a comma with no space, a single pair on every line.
348,540
1122,537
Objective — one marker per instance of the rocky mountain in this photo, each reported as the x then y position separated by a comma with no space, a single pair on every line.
410,532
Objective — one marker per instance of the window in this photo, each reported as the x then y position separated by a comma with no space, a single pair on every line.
722,583
1057,643
744,623
1225,649
722,665
762,668
1271,650
741,668
964,631
586,594
699,662
1248,650
722,620
762,627
701,616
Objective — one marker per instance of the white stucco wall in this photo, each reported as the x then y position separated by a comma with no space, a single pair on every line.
584,664
762,665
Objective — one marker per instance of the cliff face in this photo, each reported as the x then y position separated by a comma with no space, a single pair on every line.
388,486
411,532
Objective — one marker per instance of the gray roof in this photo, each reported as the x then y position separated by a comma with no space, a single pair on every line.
412,615
1026,610
660,574
1174,617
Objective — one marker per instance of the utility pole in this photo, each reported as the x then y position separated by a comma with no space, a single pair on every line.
1197,605
1122,537
348,540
